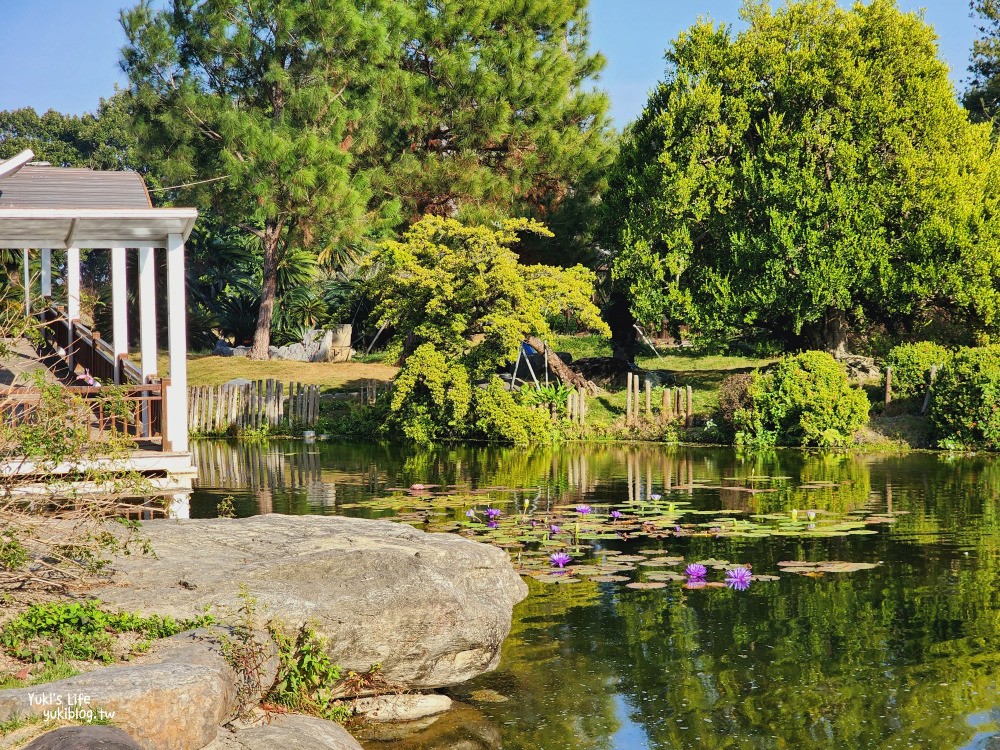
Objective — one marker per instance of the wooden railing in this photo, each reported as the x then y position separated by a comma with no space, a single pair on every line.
136,410
133,407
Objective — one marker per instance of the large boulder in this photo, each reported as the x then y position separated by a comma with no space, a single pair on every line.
84,738
431,609
287,732
175,699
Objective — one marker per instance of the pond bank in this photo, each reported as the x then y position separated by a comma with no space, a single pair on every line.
420,611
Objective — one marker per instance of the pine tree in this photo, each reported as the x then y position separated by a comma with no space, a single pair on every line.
496,115
260,103
982,98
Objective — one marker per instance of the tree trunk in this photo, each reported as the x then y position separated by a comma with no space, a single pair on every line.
262,336
835,332
622,324
560,368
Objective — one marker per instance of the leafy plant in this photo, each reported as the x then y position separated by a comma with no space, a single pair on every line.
81,630
553,394
306,676
803,400
498,416
965,410
911,365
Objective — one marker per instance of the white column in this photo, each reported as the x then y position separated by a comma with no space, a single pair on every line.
119,309
72,299
176,438
147,313
73,283
46,272
27,284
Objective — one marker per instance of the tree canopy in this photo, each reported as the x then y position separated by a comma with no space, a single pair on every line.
811,172
462,290
496,115
259,103
982,98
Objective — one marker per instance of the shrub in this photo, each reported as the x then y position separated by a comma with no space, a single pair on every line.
734,395
803,400
911,364
498,416
965,410
431,397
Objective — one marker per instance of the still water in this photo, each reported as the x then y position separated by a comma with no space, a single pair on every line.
903,655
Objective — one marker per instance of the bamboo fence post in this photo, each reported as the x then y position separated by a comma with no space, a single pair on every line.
628,398
571,406
888,384
635,397
689,420
664,400
281,402
678,406
649,394
583,405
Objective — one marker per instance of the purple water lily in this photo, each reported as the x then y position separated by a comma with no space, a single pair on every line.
739,578
493,513
492,525
470,513
583,509
560,559
616,515
654,497
553,529
696,570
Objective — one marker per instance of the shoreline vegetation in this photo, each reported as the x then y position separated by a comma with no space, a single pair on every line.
898,426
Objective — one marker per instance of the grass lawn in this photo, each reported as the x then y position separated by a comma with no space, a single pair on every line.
213,370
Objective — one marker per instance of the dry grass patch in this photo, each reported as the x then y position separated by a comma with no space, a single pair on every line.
214,370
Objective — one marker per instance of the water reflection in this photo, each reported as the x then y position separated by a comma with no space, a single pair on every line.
901,656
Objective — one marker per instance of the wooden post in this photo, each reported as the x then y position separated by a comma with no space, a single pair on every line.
649,393
628,398
583,405
570,400
664,404
678,405
635,397
689,419
930,386
888,385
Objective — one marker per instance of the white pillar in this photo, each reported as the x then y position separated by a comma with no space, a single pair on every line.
147,313
72,299
73,283
27,284
46,272
176,438
119,309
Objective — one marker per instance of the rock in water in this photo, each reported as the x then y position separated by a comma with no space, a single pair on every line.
84,738
431,609
292,732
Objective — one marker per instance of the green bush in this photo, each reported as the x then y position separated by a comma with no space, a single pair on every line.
431,397
965,410
499,417
911,364
803,400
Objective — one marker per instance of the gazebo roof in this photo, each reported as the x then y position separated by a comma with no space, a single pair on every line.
60,207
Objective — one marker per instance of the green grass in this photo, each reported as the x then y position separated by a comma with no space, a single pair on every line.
581,345
50,673
703,372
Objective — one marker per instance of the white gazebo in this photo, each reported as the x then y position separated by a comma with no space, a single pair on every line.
47,210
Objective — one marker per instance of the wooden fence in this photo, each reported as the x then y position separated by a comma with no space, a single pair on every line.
252,406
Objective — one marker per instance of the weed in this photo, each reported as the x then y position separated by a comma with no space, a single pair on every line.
246,654
55,631
306,676
225,508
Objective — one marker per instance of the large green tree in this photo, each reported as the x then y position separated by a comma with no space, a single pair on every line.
812,173
496,116
260,103
104,140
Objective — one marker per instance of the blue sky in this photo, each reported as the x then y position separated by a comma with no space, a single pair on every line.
63,54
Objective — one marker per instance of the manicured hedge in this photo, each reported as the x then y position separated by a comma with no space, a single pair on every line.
965,408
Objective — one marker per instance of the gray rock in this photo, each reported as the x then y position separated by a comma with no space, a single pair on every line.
84,738
241,351
235,382
432,609
461,728
290,732
406,707
222,348
175,699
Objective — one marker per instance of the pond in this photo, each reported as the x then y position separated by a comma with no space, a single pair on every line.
901,650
